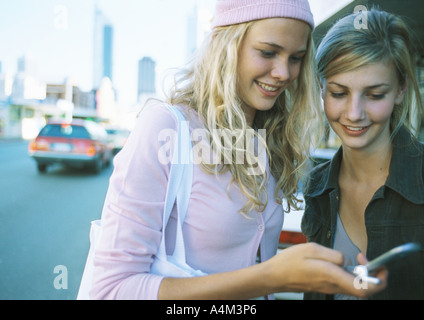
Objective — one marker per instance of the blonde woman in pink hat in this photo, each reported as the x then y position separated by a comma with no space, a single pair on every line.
253,79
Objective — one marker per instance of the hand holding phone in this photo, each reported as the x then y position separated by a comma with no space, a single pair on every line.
394,254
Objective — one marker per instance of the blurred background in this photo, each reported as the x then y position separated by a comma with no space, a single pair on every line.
97,60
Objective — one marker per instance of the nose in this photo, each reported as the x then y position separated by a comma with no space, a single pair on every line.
355,110
281,70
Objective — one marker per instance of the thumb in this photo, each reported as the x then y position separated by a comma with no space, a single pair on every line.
362,259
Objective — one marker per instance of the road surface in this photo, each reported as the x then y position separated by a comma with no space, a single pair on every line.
44,225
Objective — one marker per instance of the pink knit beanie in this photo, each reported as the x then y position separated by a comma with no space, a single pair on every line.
228,12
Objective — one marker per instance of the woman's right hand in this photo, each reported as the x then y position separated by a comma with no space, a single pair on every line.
314,268
301,268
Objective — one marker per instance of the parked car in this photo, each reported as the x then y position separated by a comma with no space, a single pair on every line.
117,136
79,143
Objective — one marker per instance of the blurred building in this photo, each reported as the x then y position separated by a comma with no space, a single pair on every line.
102,49
146,77
192,32
6,84
26,85
69,98
26,103
198,26
16,93
105,101
28,65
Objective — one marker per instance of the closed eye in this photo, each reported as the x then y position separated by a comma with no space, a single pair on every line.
338,94
268,54
377,96
296,59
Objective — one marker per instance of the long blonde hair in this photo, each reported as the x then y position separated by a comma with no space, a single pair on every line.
209,86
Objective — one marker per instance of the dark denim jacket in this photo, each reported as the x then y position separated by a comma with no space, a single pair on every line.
394,216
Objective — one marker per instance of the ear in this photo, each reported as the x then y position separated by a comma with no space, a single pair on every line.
402,91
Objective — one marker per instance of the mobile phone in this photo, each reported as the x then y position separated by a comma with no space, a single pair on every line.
385,259
393,255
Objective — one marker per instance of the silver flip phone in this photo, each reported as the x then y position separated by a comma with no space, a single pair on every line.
364,271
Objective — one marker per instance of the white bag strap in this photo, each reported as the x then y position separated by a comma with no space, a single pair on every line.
179,185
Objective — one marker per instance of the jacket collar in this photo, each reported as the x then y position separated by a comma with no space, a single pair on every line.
406,167
324,177
407,154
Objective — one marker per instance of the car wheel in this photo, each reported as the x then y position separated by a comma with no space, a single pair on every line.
42,168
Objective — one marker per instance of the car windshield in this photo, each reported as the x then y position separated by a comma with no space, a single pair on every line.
64,131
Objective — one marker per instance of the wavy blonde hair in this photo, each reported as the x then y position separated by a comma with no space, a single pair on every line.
209,86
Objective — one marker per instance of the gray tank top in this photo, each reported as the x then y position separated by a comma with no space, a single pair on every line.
350,251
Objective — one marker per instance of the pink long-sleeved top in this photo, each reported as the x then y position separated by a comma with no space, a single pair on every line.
218,238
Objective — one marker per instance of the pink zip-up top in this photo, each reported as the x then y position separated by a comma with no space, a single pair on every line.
218,238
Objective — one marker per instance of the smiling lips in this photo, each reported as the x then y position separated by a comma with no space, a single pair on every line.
268,90
355,131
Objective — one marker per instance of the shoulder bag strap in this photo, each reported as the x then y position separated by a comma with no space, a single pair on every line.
179,184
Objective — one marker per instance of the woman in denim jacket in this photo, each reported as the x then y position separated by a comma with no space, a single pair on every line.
370,197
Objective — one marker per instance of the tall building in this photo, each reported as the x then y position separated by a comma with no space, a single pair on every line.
103,49
26,85
27,65
6,82
6,85
107,51
192,32
146,76
198,26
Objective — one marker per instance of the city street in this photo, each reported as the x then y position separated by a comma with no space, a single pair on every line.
44,225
